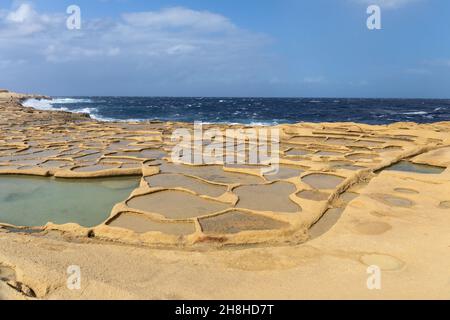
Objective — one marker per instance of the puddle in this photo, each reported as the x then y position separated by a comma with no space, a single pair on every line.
388,149
340,141
362,156
360,149
369,143
247,166
306,139
144,154
349,167
328,220
392,200
348,196
407,166
176,204
45,153
130,166
406,190
236,221
34,201
297,152
97,167
88,157
140,224
329,153
323,181
211,173
55,164
174,180
284,172
405,137
272,197
313,195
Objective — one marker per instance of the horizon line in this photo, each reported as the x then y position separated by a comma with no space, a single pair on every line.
251,97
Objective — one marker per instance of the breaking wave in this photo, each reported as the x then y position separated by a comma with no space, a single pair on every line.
62,104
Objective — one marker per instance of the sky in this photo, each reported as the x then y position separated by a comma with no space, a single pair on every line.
267,48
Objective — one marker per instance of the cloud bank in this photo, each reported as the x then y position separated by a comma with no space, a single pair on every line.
173,44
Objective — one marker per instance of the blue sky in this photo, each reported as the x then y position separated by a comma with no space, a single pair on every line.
319,48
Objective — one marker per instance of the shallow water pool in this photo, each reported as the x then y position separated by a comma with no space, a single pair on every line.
34,201
407,166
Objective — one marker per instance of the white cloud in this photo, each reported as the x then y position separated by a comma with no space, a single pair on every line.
181,49
167,46
179,17
24,12
24,20
171,31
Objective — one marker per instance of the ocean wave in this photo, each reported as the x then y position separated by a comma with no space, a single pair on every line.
244,111
70,100
92,112
240,123
54,105
263,123
49,104
85,110
42,104
418,113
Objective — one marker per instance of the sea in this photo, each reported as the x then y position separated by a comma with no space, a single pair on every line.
251,111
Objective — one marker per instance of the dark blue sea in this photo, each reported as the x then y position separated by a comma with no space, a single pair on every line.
257,111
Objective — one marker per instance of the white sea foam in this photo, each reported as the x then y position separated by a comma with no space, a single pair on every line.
70,100
416,113
263,124
42,104
85,110
55,105
49,104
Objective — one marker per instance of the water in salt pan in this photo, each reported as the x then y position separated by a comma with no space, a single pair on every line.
141,224
34,201
237,221
323,181
407,166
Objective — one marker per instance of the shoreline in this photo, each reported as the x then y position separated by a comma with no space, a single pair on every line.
305,191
